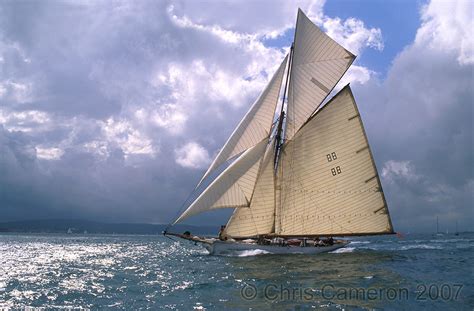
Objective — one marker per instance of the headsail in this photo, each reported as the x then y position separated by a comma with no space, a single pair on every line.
258,218
330,185
318,64
255,125
233,187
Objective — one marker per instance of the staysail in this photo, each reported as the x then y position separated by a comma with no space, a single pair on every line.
318,64
258,218
330,185
255,125
233,187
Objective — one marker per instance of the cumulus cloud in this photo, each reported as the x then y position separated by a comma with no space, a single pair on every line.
447,27
48,153
192,155
398,169
353,34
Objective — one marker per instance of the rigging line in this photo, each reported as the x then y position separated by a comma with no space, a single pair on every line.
170,224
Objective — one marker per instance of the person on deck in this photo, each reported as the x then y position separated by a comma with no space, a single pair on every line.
222,236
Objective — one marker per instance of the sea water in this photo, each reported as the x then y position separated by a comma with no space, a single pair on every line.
130,272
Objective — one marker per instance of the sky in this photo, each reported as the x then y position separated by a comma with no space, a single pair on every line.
113,110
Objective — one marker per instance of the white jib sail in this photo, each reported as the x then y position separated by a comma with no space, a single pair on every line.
233,187
318,64
255,125
330,184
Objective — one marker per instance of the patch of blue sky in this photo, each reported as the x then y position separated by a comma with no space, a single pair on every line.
283,41
397,19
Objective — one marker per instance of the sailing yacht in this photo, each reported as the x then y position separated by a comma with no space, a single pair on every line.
296,182
438,233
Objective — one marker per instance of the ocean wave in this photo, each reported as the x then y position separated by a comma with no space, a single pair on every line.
419,246
360,242
449,241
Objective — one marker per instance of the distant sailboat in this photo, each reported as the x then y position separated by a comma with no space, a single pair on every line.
457,231
307,176
438,233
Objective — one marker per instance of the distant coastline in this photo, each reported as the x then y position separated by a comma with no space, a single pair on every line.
78,226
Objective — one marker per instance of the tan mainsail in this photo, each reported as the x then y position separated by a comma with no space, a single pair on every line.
233,187
255,125
258,218
330,184
318,64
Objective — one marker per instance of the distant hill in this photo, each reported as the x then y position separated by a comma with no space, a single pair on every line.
81,226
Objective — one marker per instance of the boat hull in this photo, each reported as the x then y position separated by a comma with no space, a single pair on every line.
225,248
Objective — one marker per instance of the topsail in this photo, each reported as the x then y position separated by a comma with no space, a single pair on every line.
318,64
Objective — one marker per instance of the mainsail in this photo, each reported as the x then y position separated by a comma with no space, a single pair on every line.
330,184
314,177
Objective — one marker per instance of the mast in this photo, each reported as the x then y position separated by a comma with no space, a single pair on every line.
279,134
279,142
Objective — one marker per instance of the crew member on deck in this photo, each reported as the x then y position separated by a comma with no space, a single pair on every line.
222,236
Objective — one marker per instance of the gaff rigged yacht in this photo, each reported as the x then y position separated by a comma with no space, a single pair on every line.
309,175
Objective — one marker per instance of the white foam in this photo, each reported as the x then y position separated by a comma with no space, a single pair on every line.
130,268
253,252
360,242
344,250
419,246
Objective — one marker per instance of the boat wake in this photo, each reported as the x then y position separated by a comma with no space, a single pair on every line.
343,250
252,252
246,253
